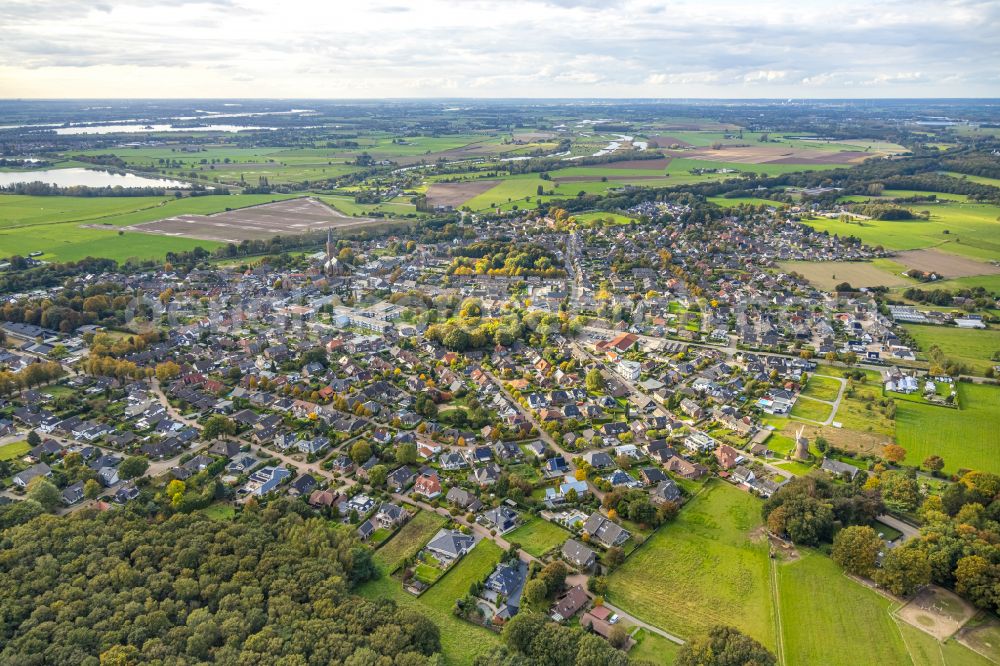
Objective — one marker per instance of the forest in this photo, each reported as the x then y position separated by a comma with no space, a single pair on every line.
270,587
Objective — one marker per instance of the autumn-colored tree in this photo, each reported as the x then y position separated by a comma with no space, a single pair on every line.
894,453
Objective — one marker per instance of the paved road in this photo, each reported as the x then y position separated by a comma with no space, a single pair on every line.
542,434
909,531
834,404
645,625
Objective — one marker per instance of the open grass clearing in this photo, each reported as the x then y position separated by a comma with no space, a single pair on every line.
822,388
537,536
653,648
219,511
925,650
982,635
703,569
811,410
409,540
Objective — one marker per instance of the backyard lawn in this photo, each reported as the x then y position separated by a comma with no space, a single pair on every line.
409,540
703,569
537,536
14,450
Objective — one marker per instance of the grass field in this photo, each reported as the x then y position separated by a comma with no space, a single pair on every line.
966,438
812,410
702,569
220,511
822,388
972,230
925,650
653,648
538,536
409,540
982,180
991,283
461,641
970,346
857,627
727,202
54,225
828,274
14,450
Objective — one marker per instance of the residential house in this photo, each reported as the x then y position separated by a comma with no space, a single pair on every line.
569,604
578,554
604,531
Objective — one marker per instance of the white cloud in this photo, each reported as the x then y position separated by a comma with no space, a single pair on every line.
496,48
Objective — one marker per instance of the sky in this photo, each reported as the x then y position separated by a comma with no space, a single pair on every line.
499,48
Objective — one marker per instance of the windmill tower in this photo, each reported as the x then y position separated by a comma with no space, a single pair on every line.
801,445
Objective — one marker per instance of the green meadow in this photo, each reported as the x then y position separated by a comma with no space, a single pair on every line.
965,438
973,347
702,569
56,227
973,230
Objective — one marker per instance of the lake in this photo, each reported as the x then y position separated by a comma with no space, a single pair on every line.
88,177
131,129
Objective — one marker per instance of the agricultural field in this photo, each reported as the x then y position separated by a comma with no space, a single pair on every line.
947,265
408,540
971,230
461,641
281,218
72,228
707,567
973,347
400,206
538,536
732,202
982,180
828,274
966,438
